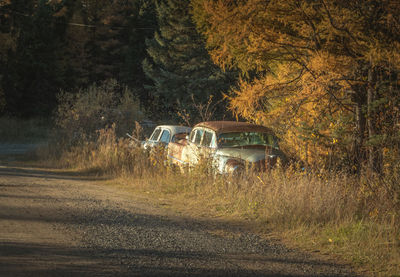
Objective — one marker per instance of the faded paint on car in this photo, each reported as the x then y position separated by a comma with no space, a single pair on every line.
164,134
231,145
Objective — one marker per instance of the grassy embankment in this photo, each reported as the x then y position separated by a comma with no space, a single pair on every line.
336,214
356,219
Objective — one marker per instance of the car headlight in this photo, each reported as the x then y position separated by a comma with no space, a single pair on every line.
233,167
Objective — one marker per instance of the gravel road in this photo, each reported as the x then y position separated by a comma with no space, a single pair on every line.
55,223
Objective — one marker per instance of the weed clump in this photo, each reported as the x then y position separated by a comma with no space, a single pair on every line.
81,120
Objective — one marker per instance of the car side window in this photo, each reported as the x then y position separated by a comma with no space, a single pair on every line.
155,134
199,134
165,136
207,139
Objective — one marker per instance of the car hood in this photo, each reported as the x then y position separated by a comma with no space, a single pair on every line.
247,154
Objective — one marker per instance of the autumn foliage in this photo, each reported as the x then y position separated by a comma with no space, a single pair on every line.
324,74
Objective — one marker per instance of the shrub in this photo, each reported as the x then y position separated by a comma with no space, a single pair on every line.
80,114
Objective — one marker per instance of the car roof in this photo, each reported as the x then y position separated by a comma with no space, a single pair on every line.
176,128
233,126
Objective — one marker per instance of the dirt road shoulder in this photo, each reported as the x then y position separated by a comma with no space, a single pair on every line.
62,223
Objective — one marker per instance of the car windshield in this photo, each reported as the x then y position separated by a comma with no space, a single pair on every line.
155,134
238,139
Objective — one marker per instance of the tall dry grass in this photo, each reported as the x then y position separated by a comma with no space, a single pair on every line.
357,218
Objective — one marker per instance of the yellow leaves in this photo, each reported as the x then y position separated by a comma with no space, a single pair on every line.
328,71
385,151
281,100
325,62
374,213
307,55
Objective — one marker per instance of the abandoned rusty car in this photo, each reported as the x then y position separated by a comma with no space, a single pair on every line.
231,146
164,134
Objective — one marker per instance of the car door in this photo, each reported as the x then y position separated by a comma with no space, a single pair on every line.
191,152
208,143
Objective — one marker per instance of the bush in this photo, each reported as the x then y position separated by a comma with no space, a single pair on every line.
80,114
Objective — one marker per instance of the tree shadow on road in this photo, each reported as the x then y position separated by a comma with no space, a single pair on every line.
24,259
21,171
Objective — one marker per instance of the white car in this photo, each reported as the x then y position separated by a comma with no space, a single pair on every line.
231,145
164,134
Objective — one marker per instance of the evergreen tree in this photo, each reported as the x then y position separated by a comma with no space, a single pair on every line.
114,45
31,74
179,64
13,15
142,24
74,57
101,37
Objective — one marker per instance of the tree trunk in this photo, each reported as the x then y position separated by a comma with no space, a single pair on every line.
359,154
373,151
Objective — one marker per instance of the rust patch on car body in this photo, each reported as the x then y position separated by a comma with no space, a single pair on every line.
175,149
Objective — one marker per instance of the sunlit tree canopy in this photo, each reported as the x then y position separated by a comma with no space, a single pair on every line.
323,73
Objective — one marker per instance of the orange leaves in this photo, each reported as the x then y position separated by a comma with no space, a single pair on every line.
233,31
293,98
327,71
309,63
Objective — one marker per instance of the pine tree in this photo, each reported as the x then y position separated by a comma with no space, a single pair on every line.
53,45
31,75
179,64
74,58
114,45
141,26
101,40
13,15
